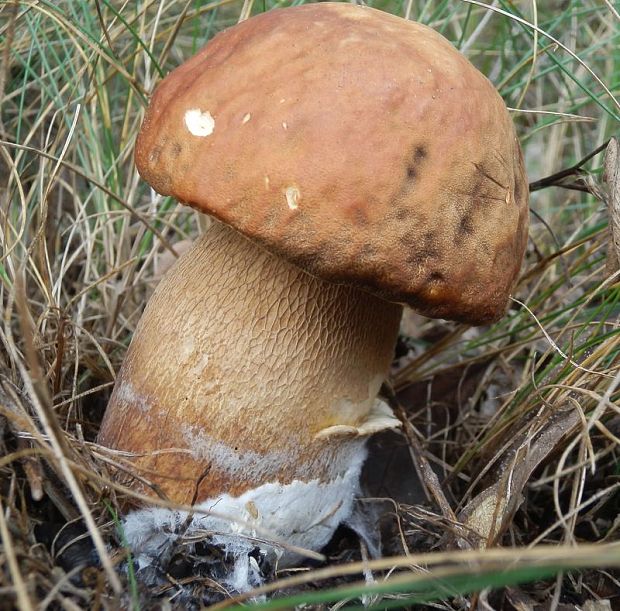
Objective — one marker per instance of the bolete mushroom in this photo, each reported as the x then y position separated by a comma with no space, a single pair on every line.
356,162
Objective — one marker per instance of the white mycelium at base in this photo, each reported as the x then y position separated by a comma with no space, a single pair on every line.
302,514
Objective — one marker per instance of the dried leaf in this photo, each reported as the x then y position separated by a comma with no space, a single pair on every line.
489,512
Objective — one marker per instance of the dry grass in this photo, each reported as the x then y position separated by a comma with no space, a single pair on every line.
515,428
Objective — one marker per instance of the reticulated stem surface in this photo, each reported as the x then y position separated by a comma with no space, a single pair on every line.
246,370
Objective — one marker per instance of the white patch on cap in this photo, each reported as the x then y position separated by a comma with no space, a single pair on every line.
267,182
292,197
246,118
199,123
284,124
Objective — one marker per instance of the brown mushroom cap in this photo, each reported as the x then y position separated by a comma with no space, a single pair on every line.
358,145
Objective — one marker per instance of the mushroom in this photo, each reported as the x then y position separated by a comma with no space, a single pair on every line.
356,162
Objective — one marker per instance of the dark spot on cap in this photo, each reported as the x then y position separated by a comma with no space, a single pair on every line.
409,238
466,225
435,276
431,245
423,250
366,252
415,159
403,213
416,258
359,216
175,150
419,153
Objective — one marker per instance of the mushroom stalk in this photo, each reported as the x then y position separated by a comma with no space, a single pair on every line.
244,374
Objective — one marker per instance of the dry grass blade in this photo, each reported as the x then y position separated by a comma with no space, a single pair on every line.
25,604
612,178
33,382
4,60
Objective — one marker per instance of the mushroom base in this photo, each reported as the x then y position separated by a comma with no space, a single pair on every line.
266,523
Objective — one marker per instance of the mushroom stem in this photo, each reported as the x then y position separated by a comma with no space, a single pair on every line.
245,371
